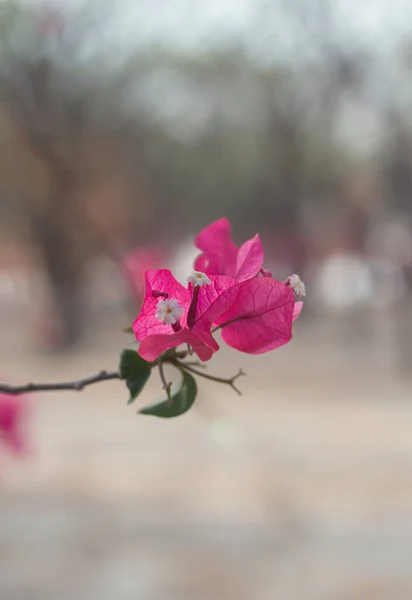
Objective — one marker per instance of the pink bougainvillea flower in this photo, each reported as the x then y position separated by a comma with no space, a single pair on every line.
229,289
11,422
172,315
261,317
221,256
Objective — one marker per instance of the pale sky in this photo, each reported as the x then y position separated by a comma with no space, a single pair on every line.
188,23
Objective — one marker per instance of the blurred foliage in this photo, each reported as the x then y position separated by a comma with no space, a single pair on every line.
103,147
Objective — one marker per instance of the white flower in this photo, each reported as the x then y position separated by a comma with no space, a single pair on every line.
297,285
169,311
198,278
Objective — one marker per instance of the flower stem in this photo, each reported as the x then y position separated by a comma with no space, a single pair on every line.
195,363
191,315
167,386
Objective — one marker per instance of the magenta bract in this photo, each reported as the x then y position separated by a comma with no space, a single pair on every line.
261,317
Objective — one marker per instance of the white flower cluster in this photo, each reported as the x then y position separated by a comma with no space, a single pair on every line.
169,311
197,278
297,285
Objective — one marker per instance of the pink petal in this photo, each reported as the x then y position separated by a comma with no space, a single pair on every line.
200,340
146,322
219,249
249,259
11,417
297,309
260,318
154,345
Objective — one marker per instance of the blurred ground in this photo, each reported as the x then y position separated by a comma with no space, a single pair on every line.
300,489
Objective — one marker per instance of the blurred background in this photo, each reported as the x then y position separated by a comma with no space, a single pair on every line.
125,128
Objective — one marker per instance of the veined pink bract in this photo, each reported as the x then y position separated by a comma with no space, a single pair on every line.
261,317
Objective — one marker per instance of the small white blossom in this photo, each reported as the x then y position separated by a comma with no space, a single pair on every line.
169,311
297,285
198,278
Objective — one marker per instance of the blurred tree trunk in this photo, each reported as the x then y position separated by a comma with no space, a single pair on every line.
58,222
56,243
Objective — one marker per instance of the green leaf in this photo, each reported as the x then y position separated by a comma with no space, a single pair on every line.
128,329
182,400
135,370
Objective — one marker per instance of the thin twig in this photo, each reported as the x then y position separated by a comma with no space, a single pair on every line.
76,386
195,363
80,384
167,386
230,381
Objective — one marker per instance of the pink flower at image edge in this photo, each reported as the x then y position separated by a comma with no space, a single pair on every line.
12,415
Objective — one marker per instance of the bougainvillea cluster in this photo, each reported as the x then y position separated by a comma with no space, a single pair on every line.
229,290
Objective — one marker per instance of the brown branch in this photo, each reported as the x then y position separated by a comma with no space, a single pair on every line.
76,386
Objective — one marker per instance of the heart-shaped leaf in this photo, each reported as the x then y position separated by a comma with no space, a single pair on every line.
182,400
135,370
